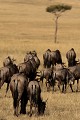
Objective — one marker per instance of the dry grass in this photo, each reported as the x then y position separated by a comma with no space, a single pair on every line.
25,25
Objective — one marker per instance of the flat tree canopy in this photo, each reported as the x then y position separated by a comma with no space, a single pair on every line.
58,8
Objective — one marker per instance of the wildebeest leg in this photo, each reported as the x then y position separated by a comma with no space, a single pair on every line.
30,109
7,89
47,83
23,107
63,88
41,79
1,83
59,86
36,109
24,101
69,64
44,64
17,108
77,85
71,87
52,83
15,111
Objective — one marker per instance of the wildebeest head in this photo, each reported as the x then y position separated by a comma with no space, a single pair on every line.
7,61
28,56
34,53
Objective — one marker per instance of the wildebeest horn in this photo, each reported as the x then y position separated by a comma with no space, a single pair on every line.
13,59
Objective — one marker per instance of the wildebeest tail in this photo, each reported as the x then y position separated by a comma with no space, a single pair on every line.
34,93
15,93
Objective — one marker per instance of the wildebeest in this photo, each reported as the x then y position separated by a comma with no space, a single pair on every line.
51,58
5,77
30,65
47,58
18,87
7,61
30,55
76,72
47,74
34,53
64,77
71,57
56,57
34,96
6,73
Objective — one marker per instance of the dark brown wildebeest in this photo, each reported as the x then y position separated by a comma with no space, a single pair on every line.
34,53
56,57
47,58
28,68
7,61
30,55
51,58
34,96
64,77
6,73
71,57
18,89
76,72
47,74
5,77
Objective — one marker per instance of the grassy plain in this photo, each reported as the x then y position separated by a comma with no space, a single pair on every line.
24,26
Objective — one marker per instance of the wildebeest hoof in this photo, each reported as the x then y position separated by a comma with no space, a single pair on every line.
76,90
15,114
72,90
64,92
5,95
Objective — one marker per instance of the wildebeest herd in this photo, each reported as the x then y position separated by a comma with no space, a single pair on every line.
24,79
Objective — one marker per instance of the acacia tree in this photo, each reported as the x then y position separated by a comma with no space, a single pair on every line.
57,10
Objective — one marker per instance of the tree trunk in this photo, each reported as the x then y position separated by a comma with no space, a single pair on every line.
56,28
